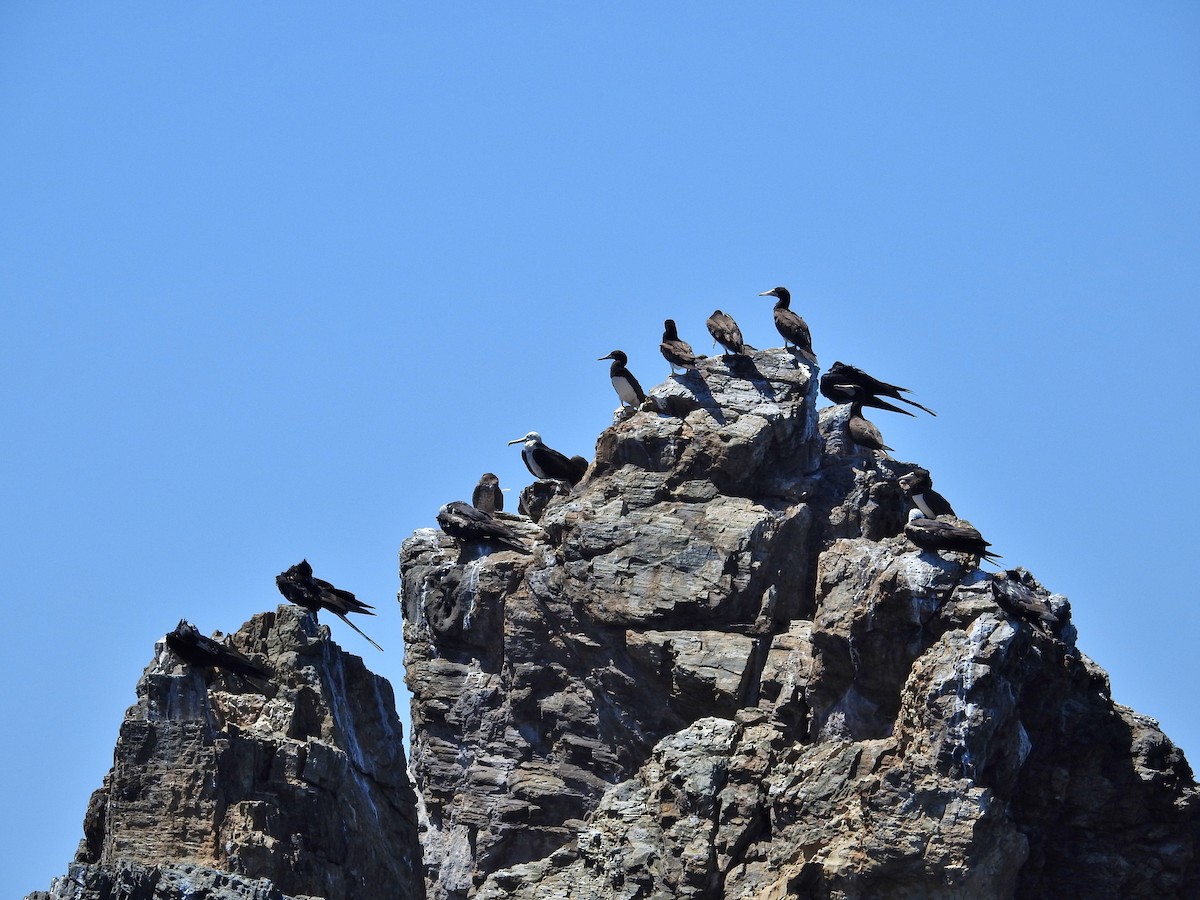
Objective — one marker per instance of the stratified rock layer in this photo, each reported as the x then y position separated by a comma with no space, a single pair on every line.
226,788
724,672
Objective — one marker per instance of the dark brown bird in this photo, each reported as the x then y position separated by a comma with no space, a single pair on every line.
954,537
298,586
192,647
487,495
918,487
842,374
675,351
861,431
844,391
726,332
467,523
794,329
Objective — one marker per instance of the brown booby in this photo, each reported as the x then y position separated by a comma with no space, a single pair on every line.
840,373
1014,594
623,382
298,586
918,487
545,462
862,431
954,537
192,647
467,523
487,495
675,351
726,332
794,329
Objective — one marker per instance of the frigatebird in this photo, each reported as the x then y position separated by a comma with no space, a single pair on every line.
299,586
192,647
467,523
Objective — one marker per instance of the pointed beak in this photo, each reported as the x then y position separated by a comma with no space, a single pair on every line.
598,358
770,293
517,441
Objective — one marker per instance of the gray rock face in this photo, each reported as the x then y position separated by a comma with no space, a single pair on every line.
223,788
725,672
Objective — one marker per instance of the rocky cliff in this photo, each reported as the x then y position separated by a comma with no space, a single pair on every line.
721,671
725,672
227,787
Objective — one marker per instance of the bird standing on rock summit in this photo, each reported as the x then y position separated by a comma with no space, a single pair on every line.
793,328
675,351
298,586
623,382
726,332
192,647
546,462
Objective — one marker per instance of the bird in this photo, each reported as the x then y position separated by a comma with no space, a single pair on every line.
918,487
487,495
623,382
545,462
793,328
468,523
675,351
298,586
843,374
955,537
839,389
726,332
192,647
1017,598
861,431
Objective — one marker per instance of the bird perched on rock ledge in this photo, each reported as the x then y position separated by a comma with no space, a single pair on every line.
953,537
546,462
676,351
465,522
192,647
725,332
623,382
487,495
298,586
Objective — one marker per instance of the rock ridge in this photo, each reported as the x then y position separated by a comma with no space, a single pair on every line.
723,671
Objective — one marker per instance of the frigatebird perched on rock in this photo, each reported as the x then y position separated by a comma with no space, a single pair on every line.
465,522
623,382
918,487
726,332
545,462
192,647
298,586
487,495
794,329
954,537
675,351
840,376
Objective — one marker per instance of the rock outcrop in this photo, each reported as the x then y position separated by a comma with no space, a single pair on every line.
225,787
725,672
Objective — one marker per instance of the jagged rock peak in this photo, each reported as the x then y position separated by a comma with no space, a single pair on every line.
228,787
723,671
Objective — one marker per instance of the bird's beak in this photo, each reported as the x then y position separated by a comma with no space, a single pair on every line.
517,441
770,293
598,358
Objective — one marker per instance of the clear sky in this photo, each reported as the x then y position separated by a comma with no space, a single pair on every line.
279,280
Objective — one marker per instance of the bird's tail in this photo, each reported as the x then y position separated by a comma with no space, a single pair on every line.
359,630
917,405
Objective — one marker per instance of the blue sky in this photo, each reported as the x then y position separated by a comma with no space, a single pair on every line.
280,281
